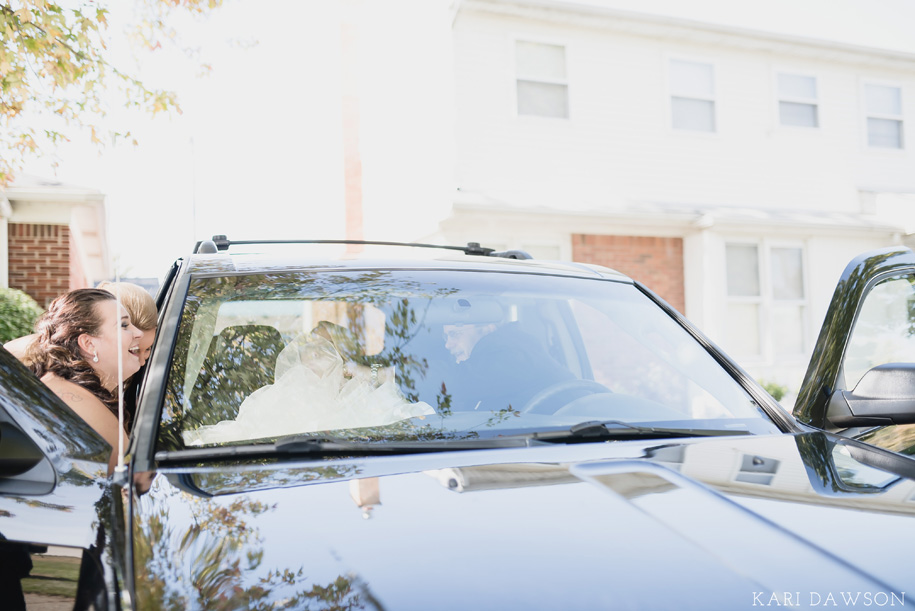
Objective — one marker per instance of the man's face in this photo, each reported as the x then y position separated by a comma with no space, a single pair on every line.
460,339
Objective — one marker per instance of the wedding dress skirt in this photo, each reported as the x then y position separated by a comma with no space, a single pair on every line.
314,390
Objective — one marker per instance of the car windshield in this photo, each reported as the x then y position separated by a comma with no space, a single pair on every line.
418,355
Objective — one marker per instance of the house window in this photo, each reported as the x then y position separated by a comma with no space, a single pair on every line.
542,86
692,95
797,100
766,299
883,105
550,252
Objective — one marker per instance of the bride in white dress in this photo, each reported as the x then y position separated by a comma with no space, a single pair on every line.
315,390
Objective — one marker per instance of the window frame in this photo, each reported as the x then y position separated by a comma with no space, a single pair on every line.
766,300
513,70
779,98
866,114
671,94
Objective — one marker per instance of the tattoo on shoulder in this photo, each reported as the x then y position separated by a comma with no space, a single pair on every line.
72,396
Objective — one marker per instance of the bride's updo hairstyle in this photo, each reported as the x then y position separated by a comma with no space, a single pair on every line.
56,349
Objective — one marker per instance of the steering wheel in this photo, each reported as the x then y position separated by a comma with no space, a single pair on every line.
539,403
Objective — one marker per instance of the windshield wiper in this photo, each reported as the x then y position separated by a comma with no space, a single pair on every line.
311,446
606,430
300,443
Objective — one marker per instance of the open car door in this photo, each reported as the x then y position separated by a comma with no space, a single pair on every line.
56,506
861,378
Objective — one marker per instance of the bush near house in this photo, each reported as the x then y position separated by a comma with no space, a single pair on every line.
18,313
777,391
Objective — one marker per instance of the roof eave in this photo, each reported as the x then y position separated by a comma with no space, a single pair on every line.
561,11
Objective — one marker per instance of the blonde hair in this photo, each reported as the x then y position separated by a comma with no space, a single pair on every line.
137,301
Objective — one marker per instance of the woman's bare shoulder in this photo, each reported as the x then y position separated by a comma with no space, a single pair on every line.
70,392
86,405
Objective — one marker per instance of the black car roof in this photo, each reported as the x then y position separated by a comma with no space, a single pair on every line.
306,257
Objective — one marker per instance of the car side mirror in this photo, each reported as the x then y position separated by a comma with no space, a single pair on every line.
24,469
884,396
17,452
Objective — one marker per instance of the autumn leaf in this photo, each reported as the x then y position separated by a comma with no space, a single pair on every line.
56,66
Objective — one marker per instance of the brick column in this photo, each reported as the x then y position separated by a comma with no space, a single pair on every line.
39,260
655,262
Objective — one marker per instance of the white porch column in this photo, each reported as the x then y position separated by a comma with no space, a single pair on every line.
5,212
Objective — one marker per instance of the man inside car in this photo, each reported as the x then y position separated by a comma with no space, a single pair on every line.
499,366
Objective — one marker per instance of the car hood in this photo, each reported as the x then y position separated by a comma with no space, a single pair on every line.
738,522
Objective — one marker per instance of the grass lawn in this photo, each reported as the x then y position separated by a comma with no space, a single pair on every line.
52,576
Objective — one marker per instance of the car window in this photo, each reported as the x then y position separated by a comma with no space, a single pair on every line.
884,332
897,438
419,355
640,356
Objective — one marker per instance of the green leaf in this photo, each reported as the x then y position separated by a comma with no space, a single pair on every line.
18,313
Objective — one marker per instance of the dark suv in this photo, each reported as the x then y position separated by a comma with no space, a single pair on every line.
439,427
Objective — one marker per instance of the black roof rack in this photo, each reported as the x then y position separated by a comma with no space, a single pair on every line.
221,242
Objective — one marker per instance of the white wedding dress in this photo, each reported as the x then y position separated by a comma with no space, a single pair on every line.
314,391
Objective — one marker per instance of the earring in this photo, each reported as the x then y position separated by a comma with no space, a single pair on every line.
95,358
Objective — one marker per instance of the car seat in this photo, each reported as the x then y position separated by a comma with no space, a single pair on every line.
240,360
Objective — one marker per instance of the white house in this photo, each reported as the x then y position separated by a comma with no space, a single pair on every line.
733,171
53,237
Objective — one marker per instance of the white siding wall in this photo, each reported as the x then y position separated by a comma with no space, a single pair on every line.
618,150
618,142
706,295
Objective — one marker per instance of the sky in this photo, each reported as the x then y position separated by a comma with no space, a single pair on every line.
257,151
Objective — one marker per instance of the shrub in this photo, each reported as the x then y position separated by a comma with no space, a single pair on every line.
18,313
776,390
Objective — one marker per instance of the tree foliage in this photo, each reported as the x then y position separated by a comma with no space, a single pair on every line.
55,62
778,391
18,313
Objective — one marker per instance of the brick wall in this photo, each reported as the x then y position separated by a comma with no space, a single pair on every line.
655,262
39,260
